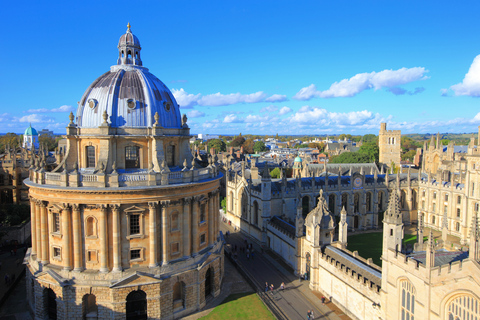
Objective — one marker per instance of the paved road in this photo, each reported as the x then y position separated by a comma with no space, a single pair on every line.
291,303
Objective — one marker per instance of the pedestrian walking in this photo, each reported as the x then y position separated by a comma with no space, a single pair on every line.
323,300
311,315
266,287
282,286
308,315
271,288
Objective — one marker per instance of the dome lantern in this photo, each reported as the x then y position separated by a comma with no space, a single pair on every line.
129,49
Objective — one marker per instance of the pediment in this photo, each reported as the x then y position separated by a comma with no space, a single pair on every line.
133,209
52,277
55,207
135,279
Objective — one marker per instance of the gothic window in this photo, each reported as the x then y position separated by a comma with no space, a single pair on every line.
90,157
407,296
463,307
345,201
458,212
132,157
403,197
305,206
457,226
331,203
433,220
244,205
56,222
380,201
459,199
356,202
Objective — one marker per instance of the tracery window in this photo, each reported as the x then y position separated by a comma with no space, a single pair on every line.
407,303
463,307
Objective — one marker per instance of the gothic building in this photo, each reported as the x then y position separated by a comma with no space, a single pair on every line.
124,226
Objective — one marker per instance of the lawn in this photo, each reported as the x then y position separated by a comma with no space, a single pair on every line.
369,245
240,306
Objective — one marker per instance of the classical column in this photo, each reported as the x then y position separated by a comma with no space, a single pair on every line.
165,250
152,207
77,239
210,219
44,229
216,216
66,237
33,226
195,226
38,227
117,252
103,239
186,226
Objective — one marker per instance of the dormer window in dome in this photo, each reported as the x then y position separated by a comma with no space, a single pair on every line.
129,49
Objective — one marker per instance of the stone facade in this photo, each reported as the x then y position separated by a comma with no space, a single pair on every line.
125,226
389,144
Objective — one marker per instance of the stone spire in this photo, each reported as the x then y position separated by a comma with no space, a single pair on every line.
343,228
393,213
430,257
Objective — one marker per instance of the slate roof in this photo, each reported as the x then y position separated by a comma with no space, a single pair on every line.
442,257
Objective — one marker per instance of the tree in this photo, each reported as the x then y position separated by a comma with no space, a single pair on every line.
350,157
248,146
217,144
259,146
223,203
50,142
370,138
237,142
342,136
371,150
409,155
10,138
275,173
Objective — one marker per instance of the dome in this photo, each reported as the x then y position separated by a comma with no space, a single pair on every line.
30,131
298,159
129,93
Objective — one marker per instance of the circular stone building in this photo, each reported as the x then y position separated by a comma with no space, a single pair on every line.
126,225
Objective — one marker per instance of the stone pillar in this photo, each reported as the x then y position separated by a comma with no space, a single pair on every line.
186,226
38,226
66,237
44,230
77,239
33,226
165,250
116,232
195,226
152,217
216,217
103,238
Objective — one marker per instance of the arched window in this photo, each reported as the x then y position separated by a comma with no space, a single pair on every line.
208,282
178,296
380,201
414,199
136,305
345,201
331,203
305,206
407,301
90,157
91,227
255,213
231,201
356,202
89,307
403,198
463,307
369,201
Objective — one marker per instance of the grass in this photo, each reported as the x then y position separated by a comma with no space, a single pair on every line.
369,245
240,306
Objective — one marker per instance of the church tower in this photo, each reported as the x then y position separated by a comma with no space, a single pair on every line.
392,224
389,142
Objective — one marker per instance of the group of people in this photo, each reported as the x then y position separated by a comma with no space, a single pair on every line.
272,287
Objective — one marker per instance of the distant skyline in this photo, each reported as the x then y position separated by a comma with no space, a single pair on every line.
255,67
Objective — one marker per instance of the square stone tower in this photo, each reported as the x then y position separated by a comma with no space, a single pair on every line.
389,143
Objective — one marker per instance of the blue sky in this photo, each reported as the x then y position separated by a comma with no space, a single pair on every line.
260,67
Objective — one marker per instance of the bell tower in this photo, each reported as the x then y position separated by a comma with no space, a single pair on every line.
129,49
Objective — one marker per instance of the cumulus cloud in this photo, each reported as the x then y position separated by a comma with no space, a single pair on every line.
470,86
284,110
400,91
36,118
364,81
184,99
321,117
276,98
64,108
269,109
231,118
195,114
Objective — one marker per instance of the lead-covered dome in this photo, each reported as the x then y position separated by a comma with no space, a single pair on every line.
129,93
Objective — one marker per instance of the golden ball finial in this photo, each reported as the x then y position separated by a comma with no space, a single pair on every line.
128,26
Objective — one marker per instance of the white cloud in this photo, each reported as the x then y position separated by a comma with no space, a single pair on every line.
470,85
184,99
218,99
63,108
270,109
321,117
36,118
364,81
255,118
276,98
195,114
231,118
284,110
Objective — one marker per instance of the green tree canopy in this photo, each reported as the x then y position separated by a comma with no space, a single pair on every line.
350,157
259,146
217,144
50,142
370,138
371,150
237,142
275,173
248,146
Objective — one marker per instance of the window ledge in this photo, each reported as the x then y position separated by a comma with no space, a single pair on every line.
202,223
136,236
91,237
56,235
